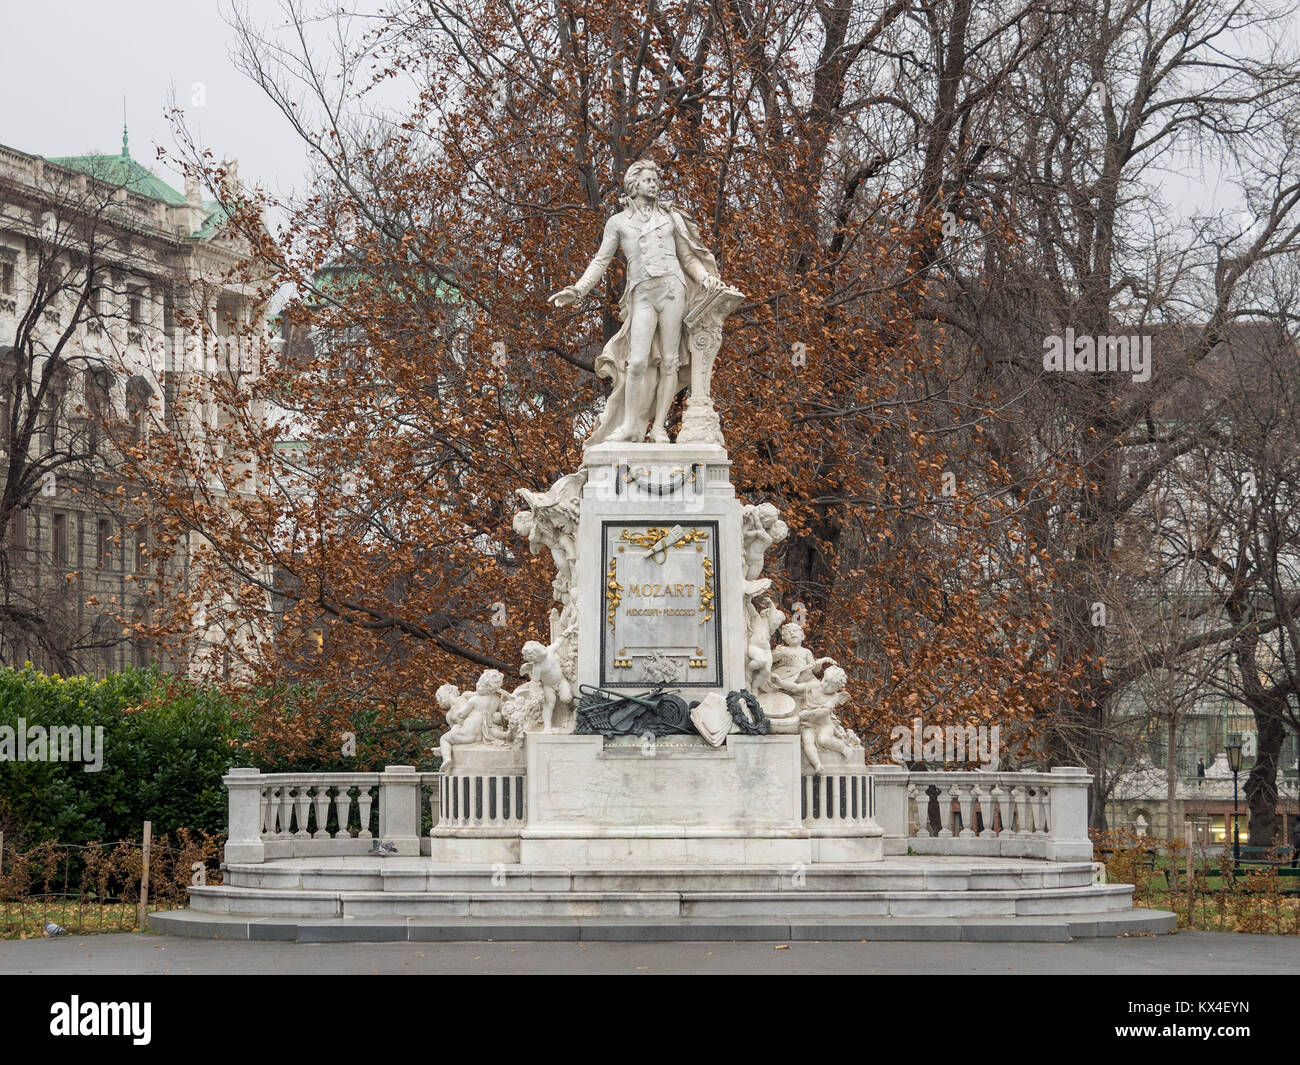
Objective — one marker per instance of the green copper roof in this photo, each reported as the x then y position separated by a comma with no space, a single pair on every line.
215,218
123,171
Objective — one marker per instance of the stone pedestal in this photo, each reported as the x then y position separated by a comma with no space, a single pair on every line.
481,806
672,615
399,808
838,806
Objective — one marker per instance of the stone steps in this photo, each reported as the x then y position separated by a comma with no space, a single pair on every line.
1039,929
416,875
548,904
902,897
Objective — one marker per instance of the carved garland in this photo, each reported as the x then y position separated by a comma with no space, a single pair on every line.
651,537
706,591
614,589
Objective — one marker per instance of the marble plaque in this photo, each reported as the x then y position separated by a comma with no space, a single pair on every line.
659,616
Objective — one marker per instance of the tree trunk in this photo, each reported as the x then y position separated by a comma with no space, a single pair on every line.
1171,798
1261,785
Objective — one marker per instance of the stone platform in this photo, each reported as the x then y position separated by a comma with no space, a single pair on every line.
908,897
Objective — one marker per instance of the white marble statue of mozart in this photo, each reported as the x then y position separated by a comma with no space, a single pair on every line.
669,273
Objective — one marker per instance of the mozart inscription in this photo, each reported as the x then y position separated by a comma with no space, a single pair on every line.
660,623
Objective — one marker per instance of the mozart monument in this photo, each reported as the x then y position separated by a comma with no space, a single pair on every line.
670,763
674,712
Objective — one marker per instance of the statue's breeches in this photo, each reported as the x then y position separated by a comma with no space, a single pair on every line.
657,302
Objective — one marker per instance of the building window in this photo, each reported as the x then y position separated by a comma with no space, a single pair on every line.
141,547
6,279
104,544
18,531
98,405
98,390
59,540
53,408
135,307
137,406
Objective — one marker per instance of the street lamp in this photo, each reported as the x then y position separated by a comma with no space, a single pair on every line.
1234,763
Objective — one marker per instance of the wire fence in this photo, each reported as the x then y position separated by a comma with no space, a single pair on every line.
1205,886
99,887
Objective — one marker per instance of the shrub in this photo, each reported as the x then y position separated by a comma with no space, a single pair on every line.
166,745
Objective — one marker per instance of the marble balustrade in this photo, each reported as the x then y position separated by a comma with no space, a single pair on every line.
1021,814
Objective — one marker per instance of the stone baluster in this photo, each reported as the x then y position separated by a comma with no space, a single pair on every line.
1002,797
343,804
1041,826
286,812
1023,824
273,826
302,801
986,811
965,796
267,819
945,811
321,799
364,802
921,802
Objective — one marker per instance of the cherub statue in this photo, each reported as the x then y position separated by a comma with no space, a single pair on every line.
792,662
542,665
819,728
551,521
522,709
763,620
761,527
470,715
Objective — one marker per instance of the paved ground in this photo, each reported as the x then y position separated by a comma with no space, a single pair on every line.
1186,953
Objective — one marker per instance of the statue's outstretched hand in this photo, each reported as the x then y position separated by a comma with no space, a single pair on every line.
566,297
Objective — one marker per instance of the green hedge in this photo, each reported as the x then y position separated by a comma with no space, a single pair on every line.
163,758
166,745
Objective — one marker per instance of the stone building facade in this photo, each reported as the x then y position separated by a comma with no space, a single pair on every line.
161,309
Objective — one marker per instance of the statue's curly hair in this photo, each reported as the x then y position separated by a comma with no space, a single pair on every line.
630,177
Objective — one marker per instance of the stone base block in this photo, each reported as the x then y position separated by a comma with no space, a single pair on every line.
848,849
474,849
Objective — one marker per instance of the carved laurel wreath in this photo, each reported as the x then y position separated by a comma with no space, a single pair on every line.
755,724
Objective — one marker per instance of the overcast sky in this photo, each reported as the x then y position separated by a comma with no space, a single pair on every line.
69,63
